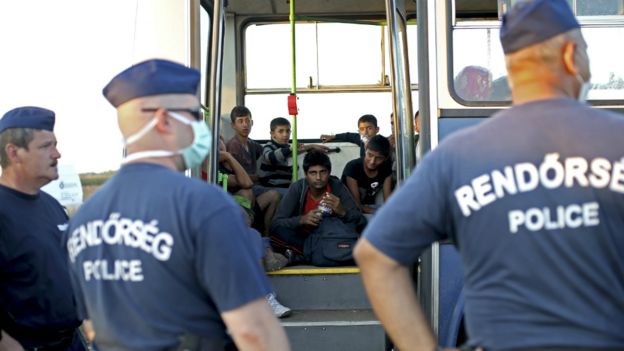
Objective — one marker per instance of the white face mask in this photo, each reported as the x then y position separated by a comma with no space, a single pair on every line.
584,89
193,155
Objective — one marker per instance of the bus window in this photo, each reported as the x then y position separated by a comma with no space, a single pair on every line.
341,75
606,62
477,53
321,113
582,7
346,56
268,57
599,7
204,23
479,63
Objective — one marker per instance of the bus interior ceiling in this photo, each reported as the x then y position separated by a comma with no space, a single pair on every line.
465,8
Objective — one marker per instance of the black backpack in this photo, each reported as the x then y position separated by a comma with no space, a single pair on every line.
331,244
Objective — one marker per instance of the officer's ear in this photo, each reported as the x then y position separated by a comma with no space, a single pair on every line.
11,151
163,121
569,57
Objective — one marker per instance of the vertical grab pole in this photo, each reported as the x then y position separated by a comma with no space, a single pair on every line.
431,18
401,87
293,91
216,65
194,58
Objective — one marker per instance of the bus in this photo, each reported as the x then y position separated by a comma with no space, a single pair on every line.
347,58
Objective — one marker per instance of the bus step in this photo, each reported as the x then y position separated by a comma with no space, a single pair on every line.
320,289
339,330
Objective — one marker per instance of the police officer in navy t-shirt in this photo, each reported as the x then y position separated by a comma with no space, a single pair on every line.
37,305
534,200
161,260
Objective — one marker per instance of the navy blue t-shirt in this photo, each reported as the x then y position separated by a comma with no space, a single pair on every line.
534,200
34,280
156,254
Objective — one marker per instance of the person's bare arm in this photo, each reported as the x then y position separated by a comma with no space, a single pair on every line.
7,343
355,192
310,147
327,137
387,188
400,315
240,179
253,327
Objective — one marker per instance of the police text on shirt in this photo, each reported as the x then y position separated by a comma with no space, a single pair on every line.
117,230
523,177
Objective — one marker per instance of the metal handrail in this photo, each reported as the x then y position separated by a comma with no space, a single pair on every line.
214,104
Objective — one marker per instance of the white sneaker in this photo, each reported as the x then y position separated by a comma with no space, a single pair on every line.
279,310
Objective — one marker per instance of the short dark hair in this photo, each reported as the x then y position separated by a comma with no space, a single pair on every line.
379,143
239,111
316,158
279,121
368,119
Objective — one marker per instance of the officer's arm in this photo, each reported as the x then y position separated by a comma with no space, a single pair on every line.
400,315
254,327
7,343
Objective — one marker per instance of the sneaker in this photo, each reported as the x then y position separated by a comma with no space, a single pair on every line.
273,261
293,258
279,310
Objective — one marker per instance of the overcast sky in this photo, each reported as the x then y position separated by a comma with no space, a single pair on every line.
59,55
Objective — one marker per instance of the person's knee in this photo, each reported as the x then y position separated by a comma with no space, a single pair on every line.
274,197
270,197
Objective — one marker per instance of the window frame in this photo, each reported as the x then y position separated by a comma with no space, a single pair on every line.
584,21
383,86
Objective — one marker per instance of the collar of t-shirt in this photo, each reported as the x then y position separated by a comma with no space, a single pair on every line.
310,203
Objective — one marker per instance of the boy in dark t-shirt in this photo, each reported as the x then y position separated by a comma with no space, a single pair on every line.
366,177
367,129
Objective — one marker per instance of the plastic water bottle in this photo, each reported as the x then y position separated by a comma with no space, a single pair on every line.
325,210
364,138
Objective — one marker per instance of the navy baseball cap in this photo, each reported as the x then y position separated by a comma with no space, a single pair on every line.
151,77
28,117
532,22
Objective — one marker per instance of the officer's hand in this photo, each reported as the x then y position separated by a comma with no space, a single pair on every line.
312,218
334,203
88,330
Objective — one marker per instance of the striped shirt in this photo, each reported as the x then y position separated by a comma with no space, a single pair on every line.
275,165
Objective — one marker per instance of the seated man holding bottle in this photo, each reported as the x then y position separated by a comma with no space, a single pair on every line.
318,205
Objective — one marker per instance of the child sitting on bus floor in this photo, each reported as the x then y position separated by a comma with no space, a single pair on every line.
367,127
276,161
234,180
299,214
247,151
366,177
